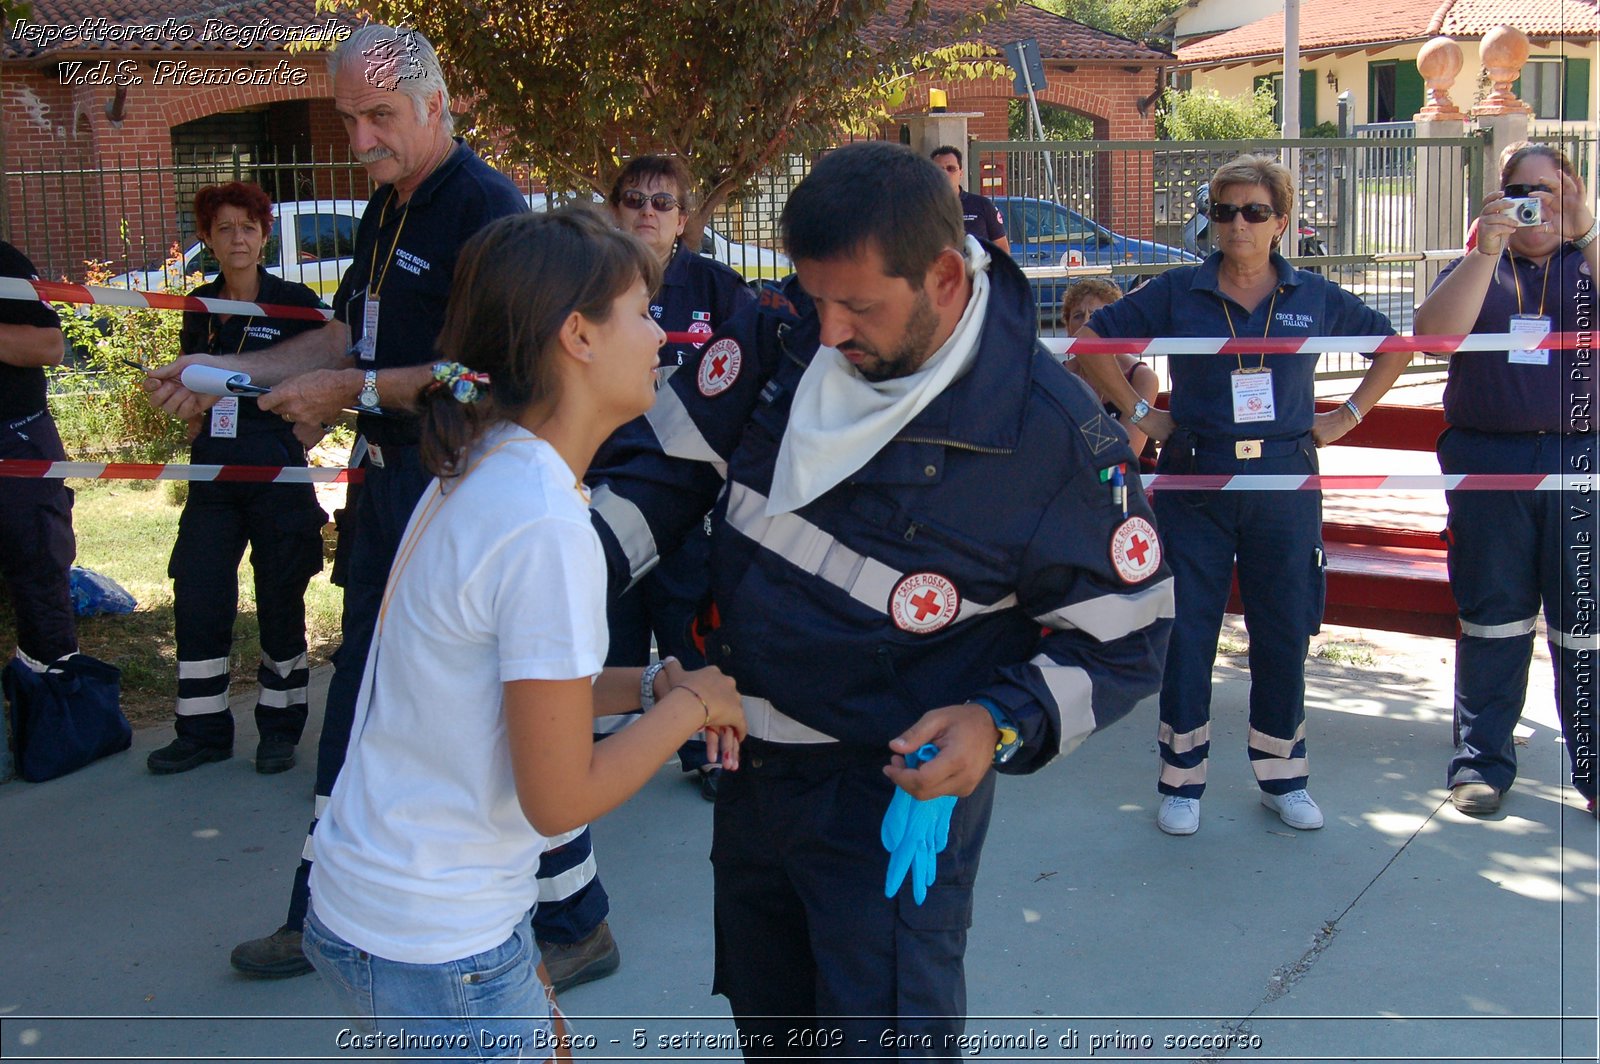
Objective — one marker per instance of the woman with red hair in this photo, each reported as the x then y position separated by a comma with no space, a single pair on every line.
282,523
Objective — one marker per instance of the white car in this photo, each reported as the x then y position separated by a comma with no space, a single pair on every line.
311,242
752,261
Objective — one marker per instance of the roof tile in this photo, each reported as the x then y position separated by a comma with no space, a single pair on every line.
1354,23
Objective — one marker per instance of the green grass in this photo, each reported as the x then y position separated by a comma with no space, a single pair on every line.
125,530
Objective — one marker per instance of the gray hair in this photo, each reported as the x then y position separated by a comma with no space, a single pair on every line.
398,59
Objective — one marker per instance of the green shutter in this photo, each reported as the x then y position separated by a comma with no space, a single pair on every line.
1575,90
1407,91
1308,99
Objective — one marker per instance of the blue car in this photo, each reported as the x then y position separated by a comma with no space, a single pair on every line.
1045,233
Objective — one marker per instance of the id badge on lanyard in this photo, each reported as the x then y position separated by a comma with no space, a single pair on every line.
367,345
1521,324
225,418
1252,396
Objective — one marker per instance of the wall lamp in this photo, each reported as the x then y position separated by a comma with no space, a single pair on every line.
1333,81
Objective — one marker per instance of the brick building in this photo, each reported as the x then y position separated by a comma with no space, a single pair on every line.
115,111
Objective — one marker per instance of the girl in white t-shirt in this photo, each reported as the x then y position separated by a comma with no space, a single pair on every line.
472,738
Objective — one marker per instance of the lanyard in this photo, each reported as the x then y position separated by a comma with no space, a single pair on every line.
1544,285
383,218
1270,308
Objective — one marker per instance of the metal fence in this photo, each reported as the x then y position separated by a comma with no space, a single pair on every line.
1376,208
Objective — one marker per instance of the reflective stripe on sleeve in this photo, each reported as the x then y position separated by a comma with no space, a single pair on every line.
628,524
1073,692
677,433
1109,617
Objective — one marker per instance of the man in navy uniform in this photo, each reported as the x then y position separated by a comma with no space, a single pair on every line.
36,541
907,491
434,193
979,216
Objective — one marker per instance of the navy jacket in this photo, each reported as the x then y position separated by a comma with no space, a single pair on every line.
927,577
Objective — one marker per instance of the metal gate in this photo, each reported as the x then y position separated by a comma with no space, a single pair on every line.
1379,208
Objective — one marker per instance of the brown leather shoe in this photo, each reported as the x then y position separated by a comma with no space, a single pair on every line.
278,956
1475,799
592,957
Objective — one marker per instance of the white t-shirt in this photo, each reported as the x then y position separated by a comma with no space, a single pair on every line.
423,855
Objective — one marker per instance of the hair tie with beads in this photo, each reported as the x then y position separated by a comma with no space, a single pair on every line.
465,385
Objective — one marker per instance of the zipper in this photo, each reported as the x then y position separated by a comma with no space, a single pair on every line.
957,444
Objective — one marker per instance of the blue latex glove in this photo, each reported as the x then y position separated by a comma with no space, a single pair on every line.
915,832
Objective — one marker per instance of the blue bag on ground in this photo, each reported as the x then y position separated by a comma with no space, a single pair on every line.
95,593
65,717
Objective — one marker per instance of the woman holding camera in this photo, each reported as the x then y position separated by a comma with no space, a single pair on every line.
1250,413
1519,412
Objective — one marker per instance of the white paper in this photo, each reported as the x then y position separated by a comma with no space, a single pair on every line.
225,419
1537,324
1252,396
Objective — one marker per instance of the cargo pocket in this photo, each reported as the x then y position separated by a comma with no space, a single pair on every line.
1317,589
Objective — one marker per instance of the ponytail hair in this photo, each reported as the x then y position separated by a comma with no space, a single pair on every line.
517,281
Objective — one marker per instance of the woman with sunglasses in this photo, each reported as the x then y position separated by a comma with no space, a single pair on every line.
1241,414
651,198
1512,553
472,739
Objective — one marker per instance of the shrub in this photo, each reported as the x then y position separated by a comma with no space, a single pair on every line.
1205,114
95,397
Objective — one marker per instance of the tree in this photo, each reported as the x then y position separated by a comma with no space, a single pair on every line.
1136,20
1205,114
571,87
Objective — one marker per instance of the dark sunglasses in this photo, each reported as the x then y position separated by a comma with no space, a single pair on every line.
1524,191
1254,213
663,202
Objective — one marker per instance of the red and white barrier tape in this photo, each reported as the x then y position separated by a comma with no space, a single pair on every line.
247,474
99,295
237,474
1288,345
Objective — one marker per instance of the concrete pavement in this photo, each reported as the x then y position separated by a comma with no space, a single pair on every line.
1401,931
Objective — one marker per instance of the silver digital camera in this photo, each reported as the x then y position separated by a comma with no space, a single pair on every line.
1526,211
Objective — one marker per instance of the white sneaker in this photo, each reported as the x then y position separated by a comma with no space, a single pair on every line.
1295,809
1179,816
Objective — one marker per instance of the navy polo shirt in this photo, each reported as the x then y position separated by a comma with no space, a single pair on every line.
1488,392
1186,302
22,387
981,217
697,295
203,333
412,283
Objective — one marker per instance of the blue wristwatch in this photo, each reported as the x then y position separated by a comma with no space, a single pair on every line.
1010,735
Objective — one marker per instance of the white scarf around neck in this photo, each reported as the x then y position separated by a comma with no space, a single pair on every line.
839,419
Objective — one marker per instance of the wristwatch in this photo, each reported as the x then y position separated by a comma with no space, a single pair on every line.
1010,736
1140,409
1588,238
369,390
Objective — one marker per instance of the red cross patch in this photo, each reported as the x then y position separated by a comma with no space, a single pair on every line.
1135,550
923,602
701,329
719,367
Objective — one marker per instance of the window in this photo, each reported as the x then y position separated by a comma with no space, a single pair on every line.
1308,96
325,236
1557,89
1394,91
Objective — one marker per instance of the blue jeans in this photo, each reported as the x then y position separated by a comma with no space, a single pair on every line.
489,1006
